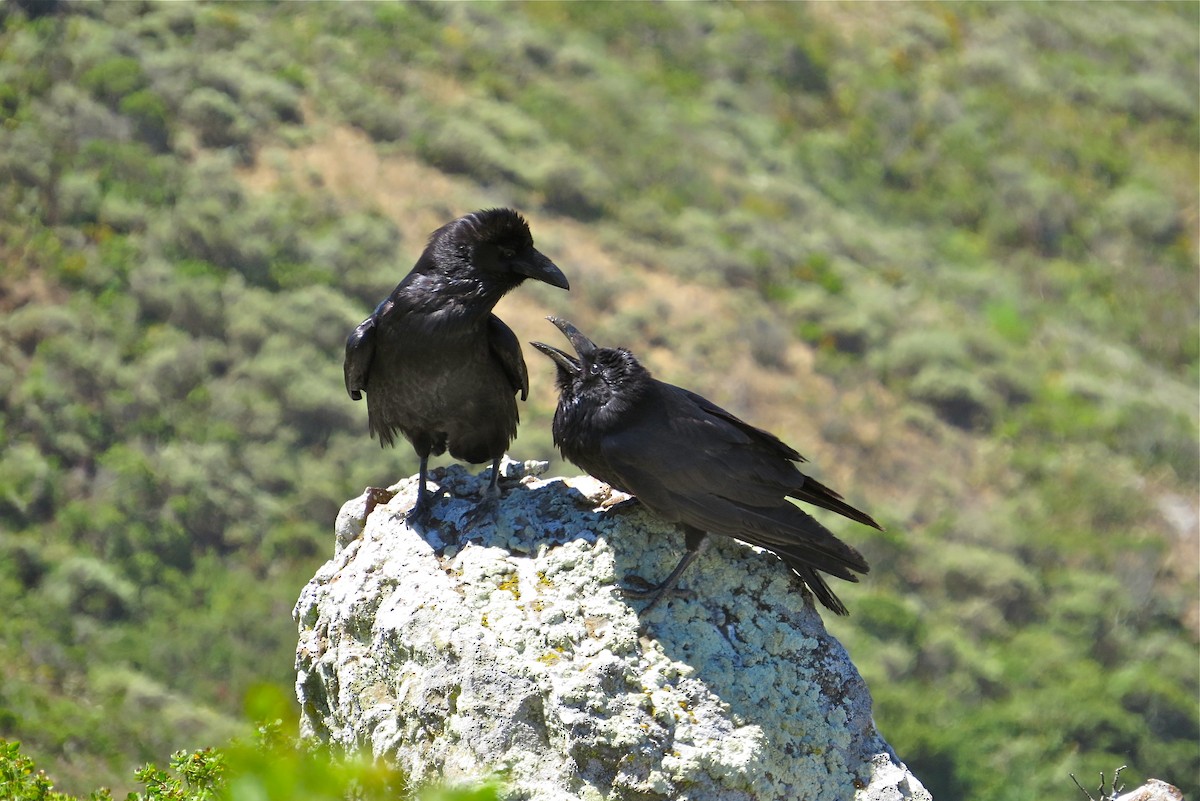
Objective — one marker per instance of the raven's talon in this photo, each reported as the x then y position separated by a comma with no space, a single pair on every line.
491,494
643,589
654,594
488,507
484,513
421,512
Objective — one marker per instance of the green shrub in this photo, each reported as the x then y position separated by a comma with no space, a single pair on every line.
1147,96
768,342
958,397
217,119
20,780
23,561
1145,212
149,113
361,253
115,79
572,186
274,768
85,586
889,620
459,144
379,115
994,577
913,351
28,489
1031,209
78,198
1008,320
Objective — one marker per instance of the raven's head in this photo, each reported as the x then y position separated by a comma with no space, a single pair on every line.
599,383
493,246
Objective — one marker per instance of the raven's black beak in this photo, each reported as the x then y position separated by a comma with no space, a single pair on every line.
565,361
540,268
583,346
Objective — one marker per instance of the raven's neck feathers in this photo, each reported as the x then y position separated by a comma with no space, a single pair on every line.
455,293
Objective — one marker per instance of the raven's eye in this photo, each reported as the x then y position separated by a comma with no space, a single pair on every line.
506,253
594,369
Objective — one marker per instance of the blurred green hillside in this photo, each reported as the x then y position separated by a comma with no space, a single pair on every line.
949,251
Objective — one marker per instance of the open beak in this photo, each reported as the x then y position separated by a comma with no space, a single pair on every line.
540,268
583,346
564,360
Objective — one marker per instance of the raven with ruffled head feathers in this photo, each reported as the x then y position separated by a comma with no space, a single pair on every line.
437,366
695,464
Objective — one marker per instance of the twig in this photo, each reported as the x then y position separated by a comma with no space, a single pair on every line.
1110,796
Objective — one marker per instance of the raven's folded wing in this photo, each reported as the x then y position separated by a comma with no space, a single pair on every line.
507,349
764,461
360,347
698,469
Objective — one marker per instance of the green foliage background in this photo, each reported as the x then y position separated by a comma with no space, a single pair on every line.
949,250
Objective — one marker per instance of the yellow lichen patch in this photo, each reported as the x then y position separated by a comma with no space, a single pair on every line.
511,583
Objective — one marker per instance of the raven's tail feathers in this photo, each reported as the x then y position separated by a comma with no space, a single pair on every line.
789,532
819,588
806,547
816,493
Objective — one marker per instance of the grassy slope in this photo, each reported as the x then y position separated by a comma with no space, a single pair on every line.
947,251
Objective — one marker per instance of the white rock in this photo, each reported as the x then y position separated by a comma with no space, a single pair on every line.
1152,790
476,646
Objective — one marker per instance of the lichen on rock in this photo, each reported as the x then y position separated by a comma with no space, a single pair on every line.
476,644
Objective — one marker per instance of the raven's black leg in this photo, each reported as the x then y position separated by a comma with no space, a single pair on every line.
421,508
696,542
485,511
493,488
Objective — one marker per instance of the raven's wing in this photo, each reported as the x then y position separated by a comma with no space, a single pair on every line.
763,439
360,347
507,349
696,468
770,459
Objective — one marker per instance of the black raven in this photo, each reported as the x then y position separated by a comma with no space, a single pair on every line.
693,463
436,364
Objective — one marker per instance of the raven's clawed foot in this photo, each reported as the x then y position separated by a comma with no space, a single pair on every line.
421,511
484,513
488,507
697,543
655,593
